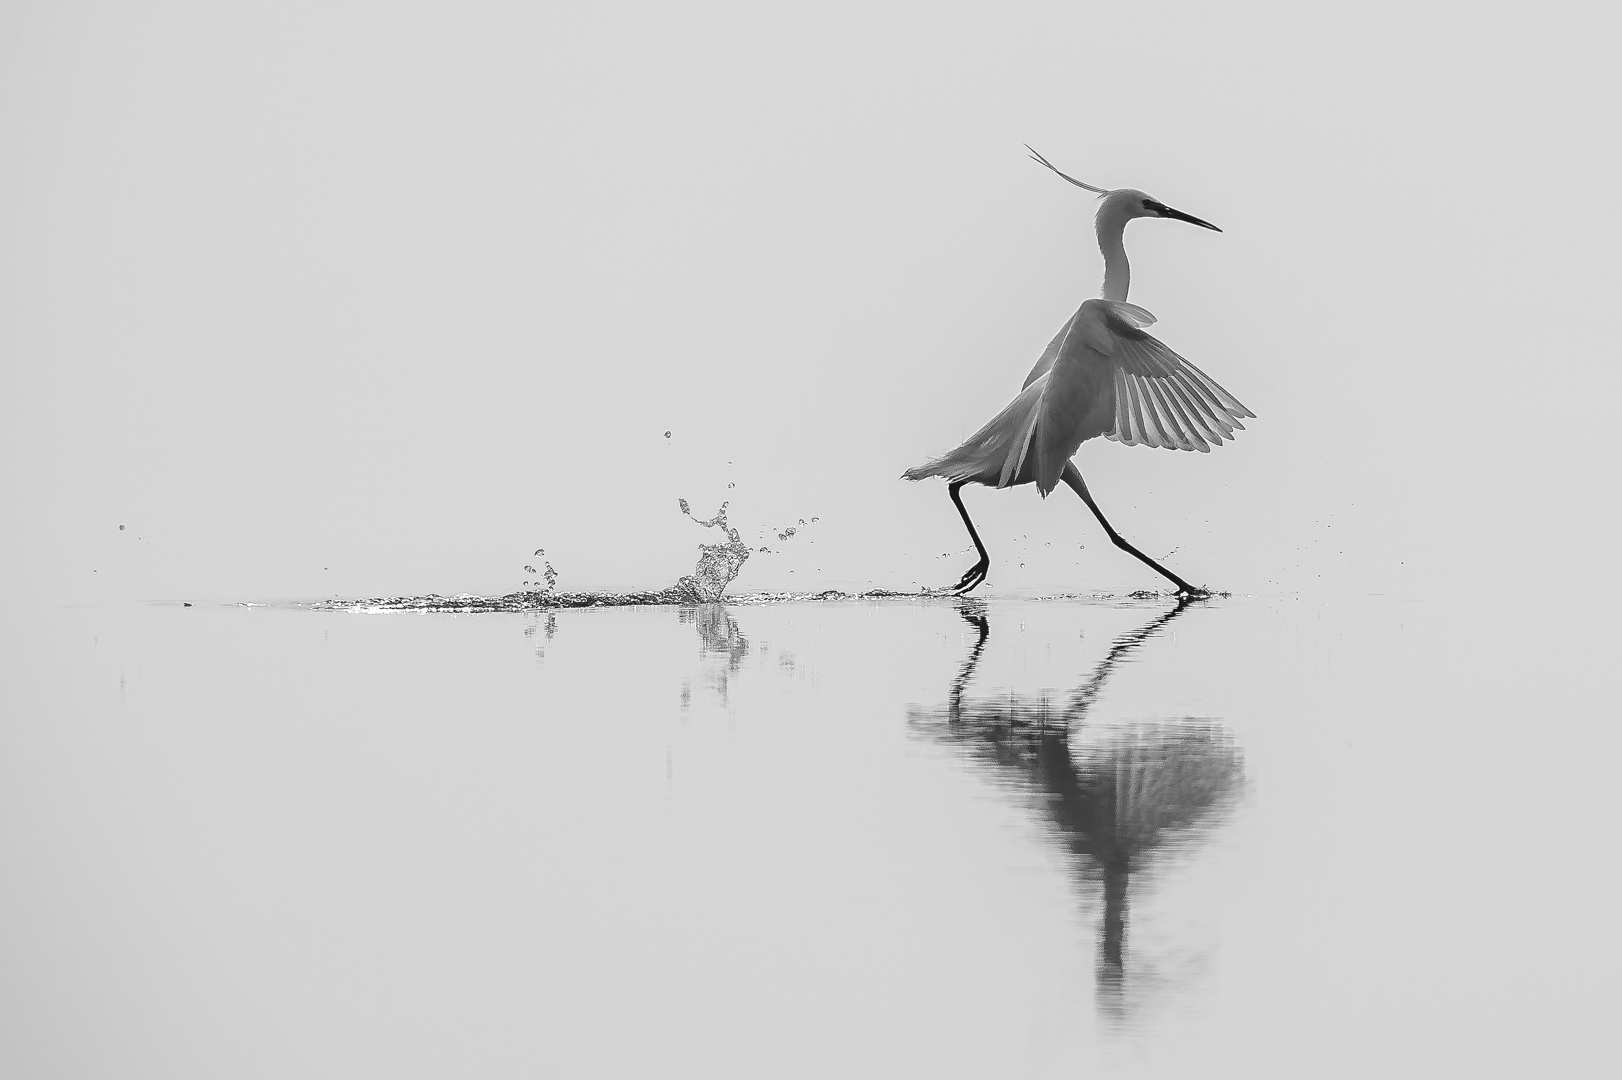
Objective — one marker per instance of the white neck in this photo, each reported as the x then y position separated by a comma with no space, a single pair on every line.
1111,232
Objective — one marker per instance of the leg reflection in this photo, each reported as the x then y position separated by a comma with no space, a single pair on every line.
973,613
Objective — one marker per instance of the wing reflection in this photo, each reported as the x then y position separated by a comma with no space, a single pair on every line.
1112,799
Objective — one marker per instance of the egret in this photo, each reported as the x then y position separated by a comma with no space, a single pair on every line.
1101,375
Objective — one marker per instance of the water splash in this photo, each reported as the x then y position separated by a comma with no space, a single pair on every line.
521,602
787,532
550,575
717,565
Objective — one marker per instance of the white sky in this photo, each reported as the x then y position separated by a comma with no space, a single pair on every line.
347,298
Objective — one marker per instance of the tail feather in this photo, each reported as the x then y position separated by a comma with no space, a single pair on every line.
994,455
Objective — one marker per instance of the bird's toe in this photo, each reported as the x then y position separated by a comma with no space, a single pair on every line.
975,575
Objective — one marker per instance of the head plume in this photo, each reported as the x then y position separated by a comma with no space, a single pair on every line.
1038,157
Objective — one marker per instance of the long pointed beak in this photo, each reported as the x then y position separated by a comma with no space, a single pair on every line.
1190,218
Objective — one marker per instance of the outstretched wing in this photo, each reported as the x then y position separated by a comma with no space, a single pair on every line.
1160,398
1102,375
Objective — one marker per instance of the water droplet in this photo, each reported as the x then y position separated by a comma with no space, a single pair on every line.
667,434
121,528
732,485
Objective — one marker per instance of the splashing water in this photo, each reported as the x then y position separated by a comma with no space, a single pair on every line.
717,565
787,533
550,575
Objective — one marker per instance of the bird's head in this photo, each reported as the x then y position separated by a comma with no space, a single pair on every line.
1127,203
1132,203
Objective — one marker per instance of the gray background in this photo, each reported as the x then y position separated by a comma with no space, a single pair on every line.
347,299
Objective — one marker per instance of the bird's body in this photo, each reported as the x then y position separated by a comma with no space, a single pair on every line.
1101,375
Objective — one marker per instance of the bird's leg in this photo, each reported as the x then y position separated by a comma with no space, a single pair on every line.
1072,476
976,573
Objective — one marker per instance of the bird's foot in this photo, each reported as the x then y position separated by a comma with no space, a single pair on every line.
976,574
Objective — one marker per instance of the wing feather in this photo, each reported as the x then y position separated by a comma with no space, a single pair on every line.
1211,430
992,454
1128,411
1227,401
1171,423
1156,422
1161,399
1021,446
1194,432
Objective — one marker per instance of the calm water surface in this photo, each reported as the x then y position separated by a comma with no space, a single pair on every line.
1249,836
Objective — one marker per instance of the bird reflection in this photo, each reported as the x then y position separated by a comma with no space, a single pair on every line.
1135,790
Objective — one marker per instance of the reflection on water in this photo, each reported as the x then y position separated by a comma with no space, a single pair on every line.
1121,800
722,646
1114,799
400,846
549,629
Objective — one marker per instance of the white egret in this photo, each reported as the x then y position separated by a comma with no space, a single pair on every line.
1101,375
